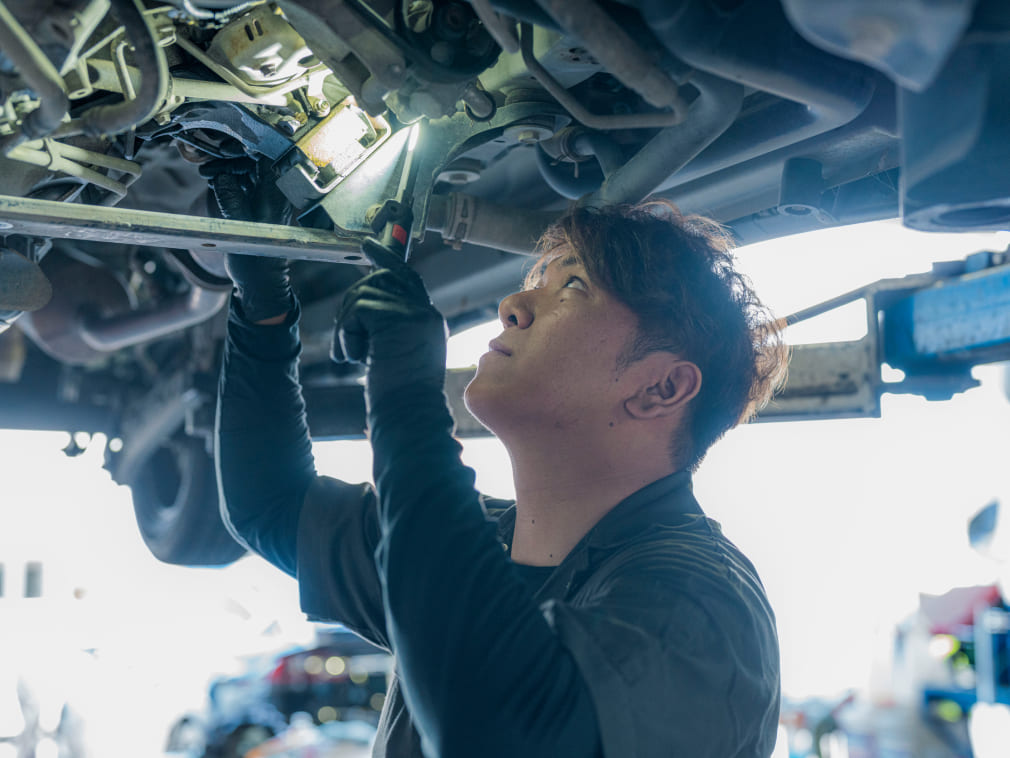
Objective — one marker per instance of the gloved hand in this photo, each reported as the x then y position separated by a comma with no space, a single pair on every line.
242,190
387,322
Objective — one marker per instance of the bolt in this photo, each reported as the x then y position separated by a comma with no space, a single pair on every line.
319,106
528,137
162,118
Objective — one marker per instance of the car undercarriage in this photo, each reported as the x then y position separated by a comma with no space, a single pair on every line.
485,120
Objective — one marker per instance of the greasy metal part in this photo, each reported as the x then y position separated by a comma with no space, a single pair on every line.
342,139
498,26
40,75
465,219
150,57
77,286
111,333
242,85
908,40
261,46
368,64
563,161
753,44
223,9
327,153
480,103
106,77
23,286
71,160
956,144
621,55
607,152
45,218
447,139
834,380
579,112
348,204
383,71
81,25
570,179
802,188
710,115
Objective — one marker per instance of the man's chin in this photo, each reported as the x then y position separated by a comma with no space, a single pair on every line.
480,401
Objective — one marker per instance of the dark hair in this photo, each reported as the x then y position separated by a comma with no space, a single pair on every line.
676,273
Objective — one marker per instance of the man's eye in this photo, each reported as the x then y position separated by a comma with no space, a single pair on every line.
574,281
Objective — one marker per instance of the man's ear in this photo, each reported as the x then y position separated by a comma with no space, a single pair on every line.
670,385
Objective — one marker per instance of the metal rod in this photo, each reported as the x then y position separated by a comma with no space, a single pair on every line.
113,333
711,114
47,218
106,78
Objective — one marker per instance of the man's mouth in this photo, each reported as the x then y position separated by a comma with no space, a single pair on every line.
497,347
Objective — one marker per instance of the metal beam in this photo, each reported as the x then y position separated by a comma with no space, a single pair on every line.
831,380
121,226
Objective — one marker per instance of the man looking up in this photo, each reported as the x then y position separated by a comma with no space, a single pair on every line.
601,614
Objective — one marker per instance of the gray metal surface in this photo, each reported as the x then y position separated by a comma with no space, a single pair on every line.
832,380
46,218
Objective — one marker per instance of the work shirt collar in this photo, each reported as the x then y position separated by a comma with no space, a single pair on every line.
664,501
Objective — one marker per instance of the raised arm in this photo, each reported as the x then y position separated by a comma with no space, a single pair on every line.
319,529
264,455
482,671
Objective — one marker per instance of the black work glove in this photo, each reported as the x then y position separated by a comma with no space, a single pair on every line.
242,189
387,322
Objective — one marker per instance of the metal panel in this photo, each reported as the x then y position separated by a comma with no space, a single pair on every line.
833,380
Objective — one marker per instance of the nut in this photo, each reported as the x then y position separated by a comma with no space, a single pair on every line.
319,106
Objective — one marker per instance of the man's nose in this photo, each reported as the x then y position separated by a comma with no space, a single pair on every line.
515,310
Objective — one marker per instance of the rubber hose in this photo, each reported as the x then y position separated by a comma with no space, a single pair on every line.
40,75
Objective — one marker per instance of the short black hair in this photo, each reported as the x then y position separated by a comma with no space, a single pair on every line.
676,272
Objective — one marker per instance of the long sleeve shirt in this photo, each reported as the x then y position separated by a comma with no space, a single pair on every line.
652,638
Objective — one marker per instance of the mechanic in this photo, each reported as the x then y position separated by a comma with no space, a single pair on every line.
601,614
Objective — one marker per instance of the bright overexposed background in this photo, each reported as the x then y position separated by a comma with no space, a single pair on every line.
846,521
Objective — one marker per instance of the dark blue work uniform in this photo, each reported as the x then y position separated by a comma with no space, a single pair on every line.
653,638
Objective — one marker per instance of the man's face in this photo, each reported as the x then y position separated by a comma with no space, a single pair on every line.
556,361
